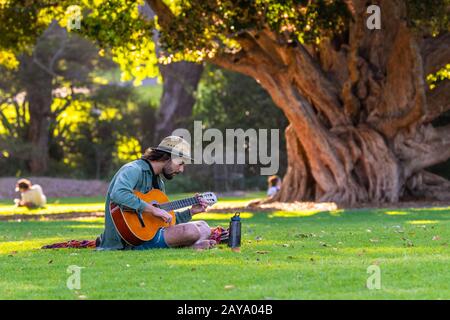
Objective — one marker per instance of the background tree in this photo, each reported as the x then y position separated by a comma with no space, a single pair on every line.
180,81
58,62
356,99
358,102
59,115
228,100
49,77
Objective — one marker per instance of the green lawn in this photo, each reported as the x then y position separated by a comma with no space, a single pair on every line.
57,205
284,256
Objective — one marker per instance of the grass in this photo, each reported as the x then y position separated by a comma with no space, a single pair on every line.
322,255
94,204
57,205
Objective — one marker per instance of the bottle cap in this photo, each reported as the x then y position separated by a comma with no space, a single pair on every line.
236,217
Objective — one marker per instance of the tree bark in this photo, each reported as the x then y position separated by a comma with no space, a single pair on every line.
38,135
426,185
38,86
356,111
180,82
359,109
298,180
37,73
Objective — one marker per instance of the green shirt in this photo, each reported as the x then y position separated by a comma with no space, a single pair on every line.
135,175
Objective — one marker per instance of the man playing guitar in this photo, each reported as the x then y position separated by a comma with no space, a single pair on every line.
142,175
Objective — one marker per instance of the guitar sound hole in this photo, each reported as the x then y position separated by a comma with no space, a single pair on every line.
155,203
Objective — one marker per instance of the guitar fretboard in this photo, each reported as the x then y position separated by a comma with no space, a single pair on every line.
178,204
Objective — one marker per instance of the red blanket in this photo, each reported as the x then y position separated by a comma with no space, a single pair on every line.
218,234
72,244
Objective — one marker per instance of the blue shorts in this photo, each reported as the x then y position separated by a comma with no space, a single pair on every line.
157,242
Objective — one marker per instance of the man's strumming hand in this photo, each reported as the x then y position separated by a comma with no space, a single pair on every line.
200,207
160,213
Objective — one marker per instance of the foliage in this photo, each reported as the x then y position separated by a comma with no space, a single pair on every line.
199,30
222,21
429,17
441,75
115,25
91,121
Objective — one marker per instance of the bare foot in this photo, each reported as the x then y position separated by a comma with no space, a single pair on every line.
204,244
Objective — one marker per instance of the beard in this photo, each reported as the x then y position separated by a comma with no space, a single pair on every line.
168,174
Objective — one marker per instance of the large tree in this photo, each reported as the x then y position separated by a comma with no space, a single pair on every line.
359,107
357,99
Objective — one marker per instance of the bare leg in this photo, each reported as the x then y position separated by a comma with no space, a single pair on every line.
204,242
205,230
191,234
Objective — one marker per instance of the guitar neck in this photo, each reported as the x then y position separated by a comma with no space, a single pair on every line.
178,204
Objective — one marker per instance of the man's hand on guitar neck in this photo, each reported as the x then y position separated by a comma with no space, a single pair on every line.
200,207
166,217
157,212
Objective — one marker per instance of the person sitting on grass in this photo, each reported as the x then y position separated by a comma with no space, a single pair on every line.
32,195
168,160
274,185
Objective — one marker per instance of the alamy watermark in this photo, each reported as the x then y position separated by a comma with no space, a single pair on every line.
374,20
74,17
374,280
234,146
74,280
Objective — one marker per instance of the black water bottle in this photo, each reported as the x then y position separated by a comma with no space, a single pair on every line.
234,240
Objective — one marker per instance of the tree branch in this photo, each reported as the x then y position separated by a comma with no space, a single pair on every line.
4,100
428,185
350,7
428,147
165,15
43,67
438,101
315,85
238,62
435,53
251,60
6,123
269,43
58,54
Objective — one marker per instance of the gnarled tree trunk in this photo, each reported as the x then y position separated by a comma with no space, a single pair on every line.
358,111
359,108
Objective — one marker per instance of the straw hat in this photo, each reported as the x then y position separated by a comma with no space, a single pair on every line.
176,146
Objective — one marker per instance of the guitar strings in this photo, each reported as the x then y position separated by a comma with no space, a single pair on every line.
177,204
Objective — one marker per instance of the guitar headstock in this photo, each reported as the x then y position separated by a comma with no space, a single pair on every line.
209,197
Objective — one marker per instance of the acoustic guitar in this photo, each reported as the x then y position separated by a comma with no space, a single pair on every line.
135,229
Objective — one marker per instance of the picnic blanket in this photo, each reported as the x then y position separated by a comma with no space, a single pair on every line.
79,244
218,234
